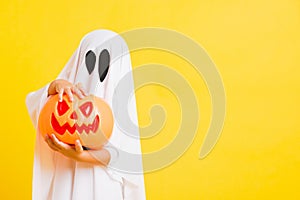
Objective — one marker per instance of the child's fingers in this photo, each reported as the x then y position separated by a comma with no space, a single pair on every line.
50,143
58,143
78,146
69,93
60,94
76,91
80,87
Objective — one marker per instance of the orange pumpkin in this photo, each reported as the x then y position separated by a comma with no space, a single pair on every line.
89,119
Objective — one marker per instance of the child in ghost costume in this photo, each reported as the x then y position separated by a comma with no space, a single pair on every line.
114,172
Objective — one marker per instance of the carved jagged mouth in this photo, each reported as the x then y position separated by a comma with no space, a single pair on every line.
66,127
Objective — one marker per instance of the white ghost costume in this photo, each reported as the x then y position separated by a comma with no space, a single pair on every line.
56,177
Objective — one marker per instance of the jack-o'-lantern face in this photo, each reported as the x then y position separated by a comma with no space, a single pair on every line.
89,120
85,114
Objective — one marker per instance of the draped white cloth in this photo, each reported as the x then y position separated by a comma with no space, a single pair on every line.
56,177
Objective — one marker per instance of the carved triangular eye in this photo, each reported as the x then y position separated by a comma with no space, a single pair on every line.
62,107
104,60
86,108
90,60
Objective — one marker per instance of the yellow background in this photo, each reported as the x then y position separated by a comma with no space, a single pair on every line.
255,45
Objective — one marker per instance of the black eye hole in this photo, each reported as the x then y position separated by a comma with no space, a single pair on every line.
90,60
104,60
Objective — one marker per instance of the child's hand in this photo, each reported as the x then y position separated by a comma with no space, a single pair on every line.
61,86
77,153
64,148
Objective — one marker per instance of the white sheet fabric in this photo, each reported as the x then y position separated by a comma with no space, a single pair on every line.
56,177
